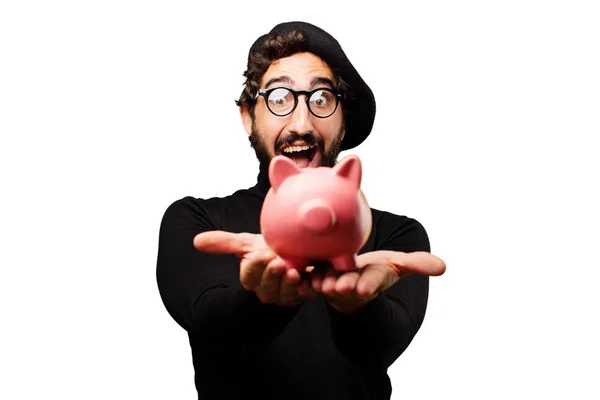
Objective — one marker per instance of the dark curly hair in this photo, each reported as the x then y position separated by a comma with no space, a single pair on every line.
274,48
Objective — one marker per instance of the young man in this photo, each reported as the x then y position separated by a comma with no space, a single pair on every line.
256,329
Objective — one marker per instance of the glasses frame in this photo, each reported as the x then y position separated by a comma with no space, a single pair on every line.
307,93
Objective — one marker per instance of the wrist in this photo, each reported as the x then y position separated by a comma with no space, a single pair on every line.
349,306
366,310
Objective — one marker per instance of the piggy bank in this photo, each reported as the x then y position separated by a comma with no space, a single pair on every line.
316,214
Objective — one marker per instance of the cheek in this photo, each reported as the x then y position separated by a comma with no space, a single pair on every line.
329,128
271,127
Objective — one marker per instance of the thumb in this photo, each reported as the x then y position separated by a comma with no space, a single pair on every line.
221,242
419,262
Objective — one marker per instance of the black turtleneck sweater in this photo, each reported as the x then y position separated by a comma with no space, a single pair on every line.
242,348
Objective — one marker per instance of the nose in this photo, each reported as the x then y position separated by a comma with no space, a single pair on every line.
301,121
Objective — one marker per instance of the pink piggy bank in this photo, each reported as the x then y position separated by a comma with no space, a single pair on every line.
316,214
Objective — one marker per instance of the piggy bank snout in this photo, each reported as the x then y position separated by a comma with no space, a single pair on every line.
316,216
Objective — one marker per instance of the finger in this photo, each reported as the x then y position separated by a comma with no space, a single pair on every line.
329,281
275,265
288,291
346,282
269,286
221,242
253,266
305,286
292,276
316,279
375,279
305,289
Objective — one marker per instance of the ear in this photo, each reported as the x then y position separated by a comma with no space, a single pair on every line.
280,169
350,168
246,119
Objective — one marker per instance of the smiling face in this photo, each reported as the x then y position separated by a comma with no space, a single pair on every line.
308,140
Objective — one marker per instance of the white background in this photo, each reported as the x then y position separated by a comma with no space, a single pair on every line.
486,132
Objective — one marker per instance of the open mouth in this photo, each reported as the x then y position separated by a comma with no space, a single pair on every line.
303,155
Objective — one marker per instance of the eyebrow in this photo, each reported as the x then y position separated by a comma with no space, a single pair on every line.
280,79
319,80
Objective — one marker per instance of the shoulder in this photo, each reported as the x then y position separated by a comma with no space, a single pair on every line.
398,232
211,212
194,211
194,204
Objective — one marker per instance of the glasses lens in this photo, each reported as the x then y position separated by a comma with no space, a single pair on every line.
281,101
322,103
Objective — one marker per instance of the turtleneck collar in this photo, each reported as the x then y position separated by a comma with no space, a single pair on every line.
263,182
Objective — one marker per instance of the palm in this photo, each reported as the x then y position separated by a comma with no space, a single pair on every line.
376,272
261,270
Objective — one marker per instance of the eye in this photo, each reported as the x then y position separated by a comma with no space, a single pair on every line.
280,97
322,99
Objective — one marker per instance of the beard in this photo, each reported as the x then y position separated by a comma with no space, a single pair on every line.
328,158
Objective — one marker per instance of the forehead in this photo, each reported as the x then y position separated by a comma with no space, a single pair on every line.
300,69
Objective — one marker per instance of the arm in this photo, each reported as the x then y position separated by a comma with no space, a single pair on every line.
375,335
202,291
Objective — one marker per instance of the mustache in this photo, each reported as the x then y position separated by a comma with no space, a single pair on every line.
309,138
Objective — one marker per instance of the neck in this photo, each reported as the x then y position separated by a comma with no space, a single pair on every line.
263,182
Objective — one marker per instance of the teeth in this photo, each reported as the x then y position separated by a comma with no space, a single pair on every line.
293,149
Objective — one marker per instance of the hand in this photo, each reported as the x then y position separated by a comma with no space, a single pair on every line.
261,270
376,272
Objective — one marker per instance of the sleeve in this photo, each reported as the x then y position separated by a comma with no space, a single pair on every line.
375,336
202,292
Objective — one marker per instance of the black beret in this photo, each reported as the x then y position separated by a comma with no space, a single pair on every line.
322,44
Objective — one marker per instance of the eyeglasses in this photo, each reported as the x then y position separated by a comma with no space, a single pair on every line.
282,101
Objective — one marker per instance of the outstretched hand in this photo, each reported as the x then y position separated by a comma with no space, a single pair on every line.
376,272
261,270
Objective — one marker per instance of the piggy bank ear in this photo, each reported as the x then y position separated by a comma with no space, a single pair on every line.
350,168
280,169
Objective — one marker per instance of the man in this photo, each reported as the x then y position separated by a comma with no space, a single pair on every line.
255,329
